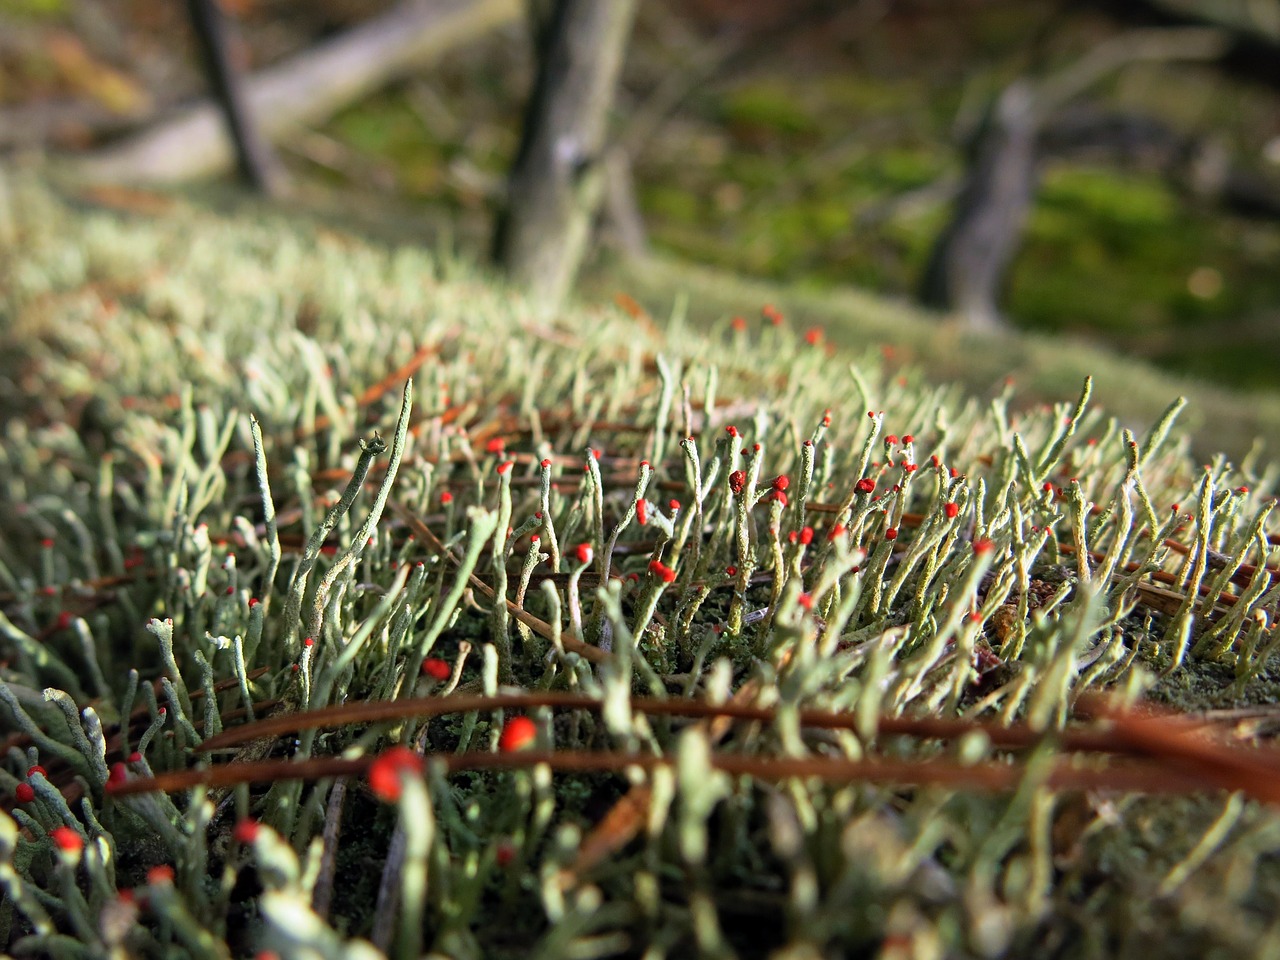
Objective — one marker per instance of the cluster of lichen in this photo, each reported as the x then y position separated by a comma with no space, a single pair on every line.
202,526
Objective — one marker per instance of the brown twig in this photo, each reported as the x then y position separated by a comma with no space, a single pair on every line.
1164,753
1062,775
540,627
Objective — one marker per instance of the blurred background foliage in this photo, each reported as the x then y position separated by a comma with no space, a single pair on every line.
816,143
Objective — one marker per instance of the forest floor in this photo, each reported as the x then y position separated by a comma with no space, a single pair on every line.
818,149
913,628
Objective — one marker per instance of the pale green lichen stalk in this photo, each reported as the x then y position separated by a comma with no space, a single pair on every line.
194,534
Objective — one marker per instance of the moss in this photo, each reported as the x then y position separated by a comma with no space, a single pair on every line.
767,108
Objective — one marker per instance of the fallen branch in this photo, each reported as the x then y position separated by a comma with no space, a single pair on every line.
305,89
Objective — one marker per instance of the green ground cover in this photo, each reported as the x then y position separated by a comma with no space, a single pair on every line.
225,433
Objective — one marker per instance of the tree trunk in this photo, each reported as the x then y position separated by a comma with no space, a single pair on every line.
255,161
556,181
967,266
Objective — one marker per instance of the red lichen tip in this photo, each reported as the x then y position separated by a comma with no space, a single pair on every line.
983,546
34,769
806,536
951,509
24,793
813,336
160,876
908,438
731,570
66,839
246,831
737,481
546,464
118,775
584,553
135,757
836,531
891,533
674,505
446,497
731,430
505,466
519,733
496,445
436,669
504,853
662,571
781,482
891,440
779,496
865,485
387,769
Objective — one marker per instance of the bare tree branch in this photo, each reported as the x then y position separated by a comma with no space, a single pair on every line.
304,89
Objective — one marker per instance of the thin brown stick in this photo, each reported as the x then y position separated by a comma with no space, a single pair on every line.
392,381
928,728
540,627
1180,744
1063,775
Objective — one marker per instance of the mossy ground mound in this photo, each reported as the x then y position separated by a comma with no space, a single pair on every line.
187,503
